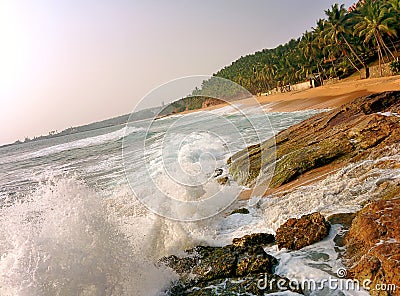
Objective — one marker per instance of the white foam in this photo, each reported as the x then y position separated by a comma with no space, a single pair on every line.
62,241
389,114
227,110
91,141
345,191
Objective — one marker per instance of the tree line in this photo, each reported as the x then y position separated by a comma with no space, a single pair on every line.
343,42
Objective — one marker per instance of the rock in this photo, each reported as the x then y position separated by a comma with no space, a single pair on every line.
215,263
295,234
344,219
218,172
255,239
223,180
350,133
206,264
253,260
242,211
373,245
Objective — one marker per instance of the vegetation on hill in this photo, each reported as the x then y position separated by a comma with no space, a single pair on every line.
339,45
344,42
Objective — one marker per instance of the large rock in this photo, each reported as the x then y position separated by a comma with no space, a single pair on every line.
373,245
349,133
209,263
295,234
254,239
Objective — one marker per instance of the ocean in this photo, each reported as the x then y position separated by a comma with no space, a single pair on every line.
86,214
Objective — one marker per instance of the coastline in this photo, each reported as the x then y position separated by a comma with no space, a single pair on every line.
323,97
358,143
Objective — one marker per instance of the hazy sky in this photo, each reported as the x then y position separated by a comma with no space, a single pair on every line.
69,62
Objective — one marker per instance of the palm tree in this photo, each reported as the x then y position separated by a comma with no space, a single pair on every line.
308,49
335,30
373,23
394,9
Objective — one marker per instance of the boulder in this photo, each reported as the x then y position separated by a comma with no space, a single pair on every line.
295,234
253,260
223,180
208,263
373,245
242,211
255,239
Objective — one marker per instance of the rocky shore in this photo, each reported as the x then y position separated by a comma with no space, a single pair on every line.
367,128
241,267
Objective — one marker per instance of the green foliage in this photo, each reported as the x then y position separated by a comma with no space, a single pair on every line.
395,67
337,47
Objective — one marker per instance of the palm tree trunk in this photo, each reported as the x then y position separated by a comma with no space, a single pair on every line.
379,54
353,51
351,62
384,45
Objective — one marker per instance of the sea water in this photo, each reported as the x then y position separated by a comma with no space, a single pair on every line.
74,218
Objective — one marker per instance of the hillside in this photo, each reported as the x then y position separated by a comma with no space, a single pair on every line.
338,46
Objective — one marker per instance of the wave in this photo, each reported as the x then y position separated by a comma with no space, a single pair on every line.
86,142
65,240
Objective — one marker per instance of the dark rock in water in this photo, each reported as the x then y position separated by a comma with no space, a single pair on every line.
180,265
223,181
253,260
215,263
344,219
254,239
242,211
207,266
218,172
209,263
295,234
373,245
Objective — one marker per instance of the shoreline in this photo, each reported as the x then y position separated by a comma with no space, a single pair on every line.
323,97
350,218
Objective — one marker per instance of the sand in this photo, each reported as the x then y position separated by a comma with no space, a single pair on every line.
324,97
329,96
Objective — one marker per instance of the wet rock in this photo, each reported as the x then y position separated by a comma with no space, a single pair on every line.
255,239
215,263
223,180
373,245
242,211
218,172
253,260
344,219
209,263
295,234
181,266
350,133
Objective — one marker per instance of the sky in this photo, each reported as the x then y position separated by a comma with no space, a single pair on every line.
70,62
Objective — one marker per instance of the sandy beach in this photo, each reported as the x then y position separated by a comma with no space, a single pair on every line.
324,97
329,96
